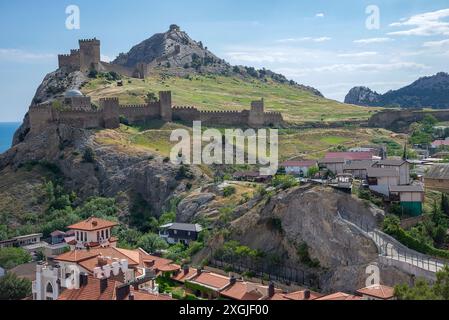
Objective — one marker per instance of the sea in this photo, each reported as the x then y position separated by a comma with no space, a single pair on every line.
7,130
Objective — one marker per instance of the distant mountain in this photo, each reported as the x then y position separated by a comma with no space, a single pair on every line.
176,53
431,92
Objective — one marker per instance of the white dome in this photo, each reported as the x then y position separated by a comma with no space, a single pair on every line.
73,93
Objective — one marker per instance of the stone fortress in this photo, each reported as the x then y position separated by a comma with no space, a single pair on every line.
77,110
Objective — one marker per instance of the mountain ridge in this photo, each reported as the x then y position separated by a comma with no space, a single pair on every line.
429,91
178,54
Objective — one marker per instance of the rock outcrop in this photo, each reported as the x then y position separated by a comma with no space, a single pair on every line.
316,216
362,96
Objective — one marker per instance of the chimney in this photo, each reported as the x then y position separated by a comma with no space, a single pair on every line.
306,294
271,289
232,280
103,284
83,279
122,292
186,269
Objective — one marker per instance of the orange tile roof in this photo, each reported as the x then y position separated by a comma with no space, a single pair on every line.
91,291
298,295
212,280
92,224
181,276
378,291
169,268
241,291
88,259
339,296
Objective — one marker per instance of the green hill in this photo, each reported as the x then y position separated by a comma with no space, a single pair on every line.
214,92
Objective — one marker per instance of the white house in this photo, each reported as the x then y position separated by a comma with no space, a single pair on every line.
93,232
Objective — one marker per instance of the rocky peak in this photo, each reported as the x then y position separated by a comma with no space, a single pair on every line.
362,96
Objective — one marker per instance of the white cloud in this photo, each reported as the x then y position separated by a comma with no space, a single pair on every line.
19,55
304,39
351,67
319,15
358,54
106,58
373,40
424,24
436,44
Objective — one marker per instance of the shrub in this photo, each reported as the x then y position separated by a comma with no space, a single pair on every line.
11,257
89,155
284,182
151,243
228,191
14,288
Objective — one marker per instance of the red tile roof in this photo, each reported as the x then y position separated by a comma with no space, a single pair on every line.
92,224
211,280
340,296
182,277
438,143
242,291
303,163
92,291
366,155
378,291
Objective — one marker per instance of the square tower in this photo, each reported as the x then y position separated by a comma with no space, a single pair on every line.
165,102
89,54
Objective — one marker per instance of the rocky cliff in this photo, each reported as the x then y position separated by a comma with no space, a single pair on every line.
115,171
432,92
318,217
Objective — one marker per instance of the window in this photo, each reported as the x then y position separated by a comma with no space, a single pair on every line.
98,235
49,288
107,233
102,234
77,236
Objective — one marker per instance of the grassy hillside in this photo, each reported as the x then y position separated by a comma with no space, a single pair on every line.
302,144
221,93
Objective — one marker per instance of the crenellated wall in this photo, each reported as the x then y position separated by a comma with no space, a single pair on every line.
399,120
79,112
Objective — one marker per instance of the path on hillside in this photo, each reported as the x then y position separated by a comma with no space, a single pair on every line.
391,249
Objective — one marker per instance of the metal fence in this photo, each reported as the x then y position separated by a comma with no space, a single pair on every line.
396,252
266,271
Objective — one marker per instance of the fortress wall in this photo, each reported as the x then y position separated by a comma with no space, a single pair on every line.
80,102
108,67
401,119
71,60
40,116
140,113
186,114
273,118
80,118
232,118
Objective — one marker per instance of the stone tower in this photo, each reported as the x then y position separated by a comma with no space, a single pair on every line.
89,54
166,107
256,114
111,113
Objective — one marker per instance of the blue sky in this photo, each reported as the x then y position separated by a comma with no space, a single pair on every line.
322,43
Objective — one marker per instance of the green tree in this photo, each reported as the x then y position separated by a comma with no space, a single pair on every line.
11,257
420,291
14,288
312,171
151,242
441,287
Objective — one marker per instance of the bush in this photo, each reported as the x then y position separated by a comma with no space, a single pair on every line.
228,191
304,256
89,155
151,243
14,288
284,182
11,257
